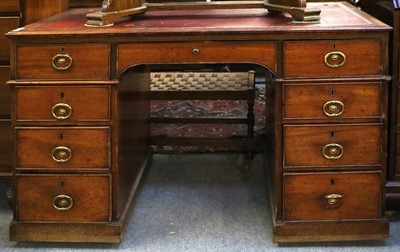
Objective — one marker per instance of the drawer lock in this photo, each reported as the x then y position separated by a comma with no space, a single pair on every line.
61,154
61,111
196,51
62,62
63,202
334,59
333,108
332,151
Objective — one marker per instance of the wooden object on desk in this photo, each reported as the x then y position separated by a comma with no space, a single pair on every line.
113,10
326,117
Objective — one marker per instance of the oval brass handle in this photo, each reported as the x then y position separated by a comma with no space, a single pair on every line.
334,59
61,111
196,51
333,108
332,151
61,154
63,202
333,199
62,62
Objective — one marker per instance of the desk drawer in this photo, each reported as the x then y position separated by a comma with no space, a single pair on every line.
332,58
71,198
332,196
332,101
63,148
6,24
332,145
78,61
263,53
62,103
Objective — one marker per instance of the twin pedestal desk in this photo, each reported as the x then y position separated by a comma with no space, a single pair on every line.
80,116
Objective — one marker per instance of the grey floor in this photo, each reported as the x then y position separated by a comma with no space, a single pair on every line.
199,202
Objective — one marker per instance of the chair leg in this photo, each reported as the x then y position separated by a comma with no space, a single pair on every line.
250,125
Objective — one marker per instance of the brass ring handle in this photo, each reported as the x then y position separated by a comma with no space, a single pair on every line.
61,111
333,108
61,154
332,151
334,59
62,62
333,199
63,202
196,51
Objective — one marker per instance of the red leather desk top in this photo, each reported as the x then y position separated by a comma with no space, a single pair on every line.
340,16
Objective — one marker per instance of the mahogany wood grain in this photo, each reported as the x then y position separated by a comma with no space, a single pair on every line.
362,58
263,53
131,136
5,126
303,145
6,24
90,148
89,61
10,6
6,148
360,100
91,197
35,10
88,103
321,231
5,93
305,193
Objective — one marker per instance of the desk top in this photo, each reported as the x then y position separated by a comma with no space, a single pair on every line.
335,16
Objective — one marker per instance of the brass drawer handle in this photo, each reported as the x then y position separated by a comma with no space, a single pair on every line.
333,108
333,199
63,202
61,111
61,154
196,51
62,62
335,59
332,151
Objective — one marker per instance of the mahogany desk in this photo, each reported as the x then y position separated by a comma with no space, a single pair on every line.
81,132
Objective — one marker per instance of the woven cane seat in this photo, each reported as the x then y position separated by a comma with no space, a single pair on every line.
204,81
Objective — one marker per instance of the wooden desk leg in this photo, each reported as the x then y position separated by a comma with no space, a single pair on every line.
296,8
112,10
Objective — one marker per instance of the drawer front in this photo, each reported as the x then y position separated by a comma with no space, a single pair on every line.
80,61
6,24
9,6
332,145
4,92
332,101
71,198
66,148
63,103
332,196
197,52
332,58
5,146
